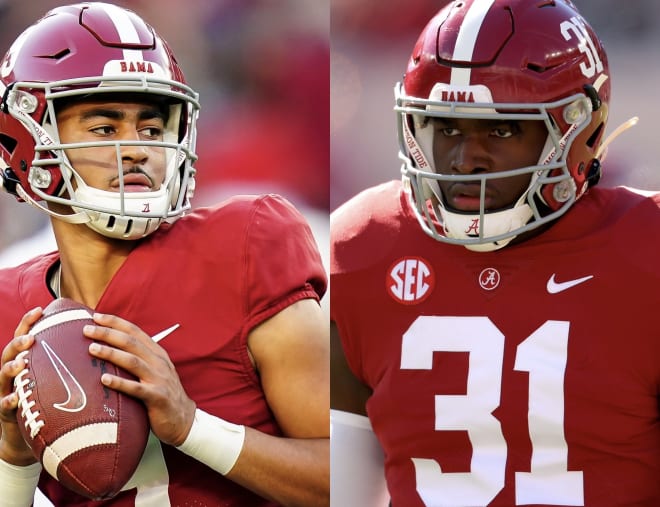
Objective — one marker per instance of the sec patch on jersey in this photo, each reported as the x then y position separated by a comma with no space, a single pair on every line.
88,437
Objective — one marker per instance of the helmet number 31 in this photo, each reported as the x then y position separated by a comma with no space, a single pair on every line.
574,28
543,355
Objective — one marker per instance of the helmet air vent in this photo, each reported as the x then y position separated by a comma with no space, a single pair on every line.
59,55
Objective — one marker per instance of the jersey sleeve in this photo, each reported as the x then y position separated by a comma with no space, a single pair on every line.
363,231
282,261
25,287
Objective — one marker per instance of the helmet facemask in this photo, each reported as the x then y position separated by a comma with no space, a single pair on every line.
122,215
488,230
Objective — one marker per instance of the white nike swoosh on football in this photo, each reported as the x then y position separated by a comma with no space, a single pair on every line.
555,287
159,336
76,397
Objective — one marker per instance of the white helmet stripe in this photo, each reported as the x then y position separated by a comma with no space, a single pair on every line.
467,39
125,29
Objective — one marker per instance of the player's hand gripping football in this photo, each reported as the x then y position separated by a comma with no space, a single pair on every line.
170,410
13,449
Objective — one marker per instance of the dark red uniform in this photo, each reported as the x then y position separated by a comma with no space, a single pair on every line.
218,273
524,376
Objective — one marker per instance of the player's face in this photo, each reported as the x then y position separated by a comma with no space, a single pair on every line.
468,146
143,167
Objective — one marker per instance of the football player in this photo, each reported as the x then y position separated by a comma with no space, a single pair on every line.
215,311
494,313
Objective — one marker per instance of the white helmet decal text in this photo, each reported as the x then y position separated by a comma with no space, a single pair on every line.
575,28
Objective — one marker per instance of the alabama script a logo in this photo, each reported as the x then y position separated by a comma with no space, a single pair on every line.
489,279
473,228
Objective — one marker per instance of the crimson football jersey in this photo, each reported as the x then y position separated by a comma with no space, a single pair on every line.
524,376
217,273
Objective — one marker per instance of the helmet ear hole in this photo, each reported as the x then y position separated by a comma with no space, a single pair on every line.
8,143
591,142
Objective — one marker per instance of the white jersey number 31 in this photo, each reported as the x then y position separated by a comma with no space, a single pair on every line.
543,356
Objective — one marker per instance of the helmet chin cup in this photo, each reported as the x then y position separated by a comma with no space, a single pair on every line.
118,227
496,226
117,215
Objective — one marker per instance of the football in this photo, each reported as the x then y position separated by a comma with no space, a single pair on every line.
87,436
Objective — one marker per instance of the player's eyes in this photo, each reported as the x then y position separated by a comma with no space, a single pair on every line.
502,132
152,132
450,132
103,130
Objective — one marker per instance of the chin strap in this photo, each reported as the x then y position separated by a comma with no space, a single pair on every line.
80,217
602,151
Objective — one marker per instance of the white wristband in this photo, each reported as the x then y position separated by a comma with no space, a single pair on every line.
214,441
18,484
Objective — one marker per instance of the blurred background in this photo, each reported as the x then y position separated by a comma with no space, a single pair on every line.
371,41
262,70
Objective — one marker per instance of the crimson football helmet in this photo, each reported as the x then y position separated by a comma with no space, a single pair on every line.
93,50
509,60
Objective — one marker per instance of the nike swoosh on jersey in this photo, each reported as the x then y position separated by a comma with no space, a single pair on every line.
77,399
159,336
555,287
